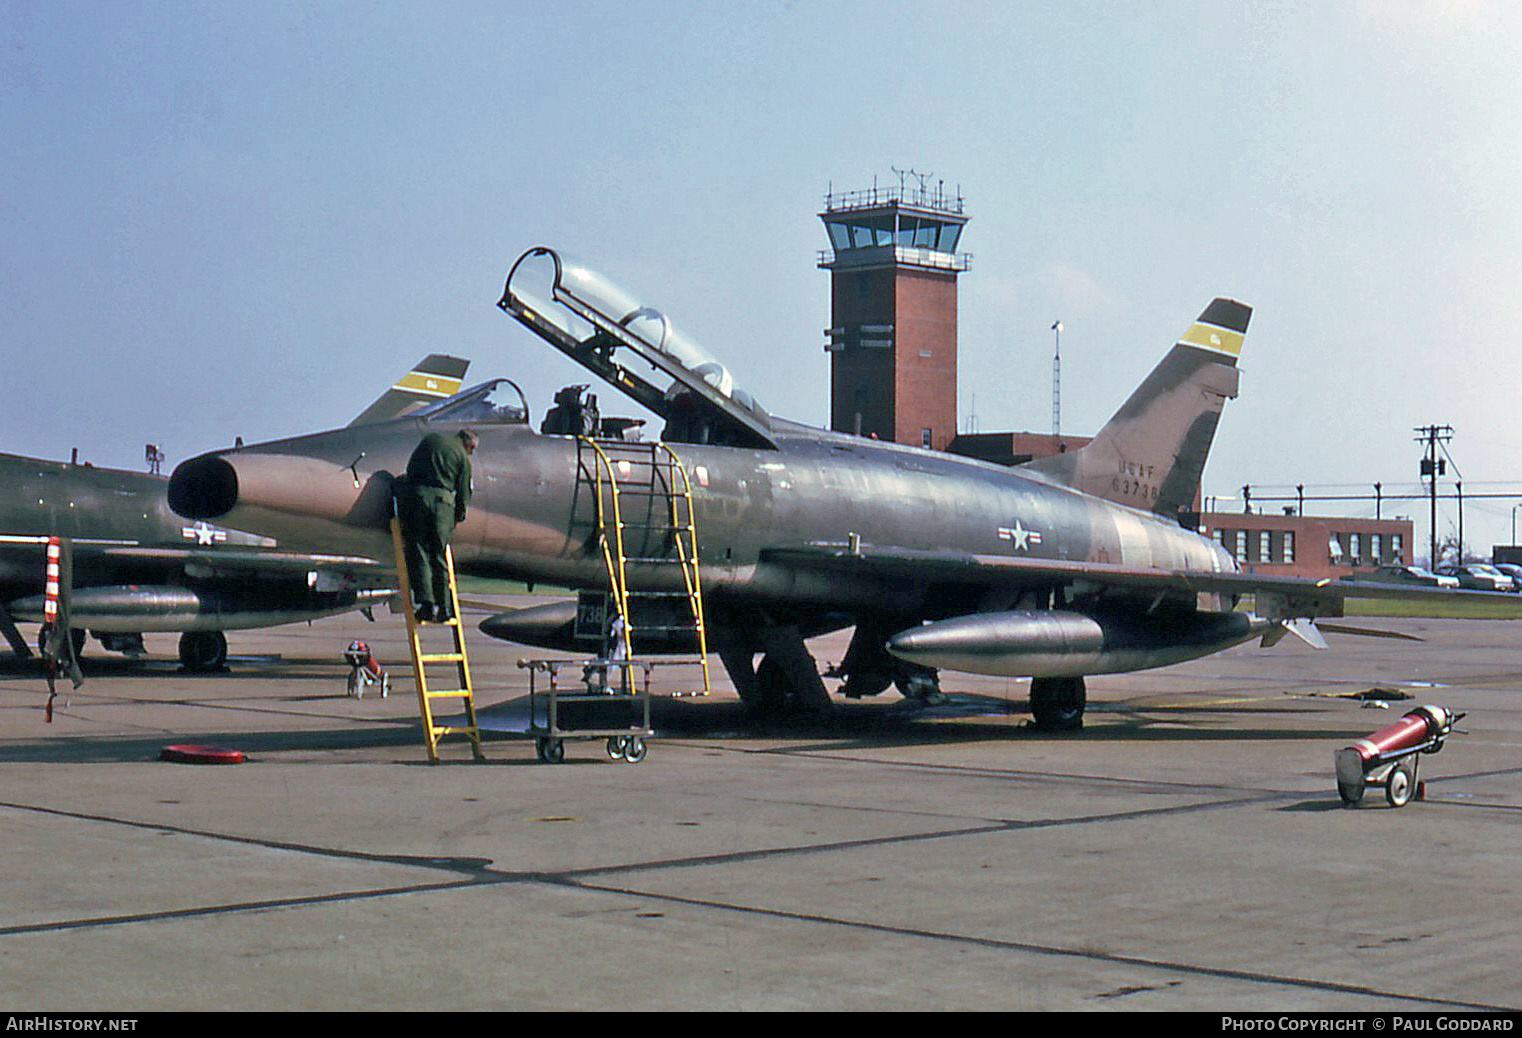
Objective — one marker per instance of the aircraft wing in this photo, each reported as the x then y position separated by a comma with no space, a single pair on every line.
1279,597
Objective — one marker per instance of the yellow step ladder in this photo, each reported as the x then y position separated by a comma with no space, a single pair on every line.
664,477
426,697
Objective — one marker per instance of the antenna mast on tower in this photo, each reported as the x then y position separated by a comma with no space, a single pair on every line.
1057,386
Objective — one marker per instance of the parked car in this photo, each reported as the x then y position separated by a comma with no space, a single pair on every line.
1480,576
1407,575
1512,570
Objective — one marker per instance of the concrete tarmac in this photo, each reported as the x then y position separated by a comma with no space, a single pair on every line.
1186,851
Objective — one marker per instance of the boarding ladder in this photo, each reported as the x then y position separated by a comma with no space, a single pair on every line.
644,518
421,661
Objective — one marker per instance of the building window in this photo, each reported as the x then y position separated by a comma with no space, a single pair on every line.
1375,544
925,438
1239,548
1265,546
1355,542
1397,549
1288,555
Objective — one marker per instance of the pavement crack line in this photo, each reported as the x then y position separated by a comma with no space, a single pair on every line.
231,908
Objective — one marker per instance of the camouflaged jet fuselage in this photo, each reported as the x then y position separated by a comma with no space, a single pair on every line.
1070,566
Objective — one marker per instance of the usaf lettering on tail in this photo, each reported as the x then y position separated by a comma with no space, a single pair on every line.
1068,566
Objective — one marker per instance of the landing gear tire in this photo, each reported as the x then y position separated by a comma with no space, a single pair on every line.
202,651
774,690
1057,704
919,684
1401,785
550,751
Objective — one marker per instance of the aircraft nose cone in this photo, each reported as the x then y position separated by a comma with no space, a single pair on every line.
203,488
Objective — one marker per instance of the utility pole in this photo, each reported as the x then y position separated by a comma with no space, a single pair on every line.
1433,467
1460,559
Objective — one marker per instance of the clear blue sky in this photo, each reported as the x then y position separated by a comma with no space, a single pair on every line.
244,219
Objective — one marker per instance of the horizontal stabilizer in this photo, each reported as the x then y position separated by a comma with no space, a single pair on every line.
1306,631
1367,632
1301,628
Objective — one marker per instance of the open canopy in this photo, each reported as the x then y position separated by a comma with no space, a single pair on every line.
604,328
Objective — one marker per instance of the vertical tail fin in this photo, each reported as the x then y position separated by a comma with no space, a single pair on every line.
1151,453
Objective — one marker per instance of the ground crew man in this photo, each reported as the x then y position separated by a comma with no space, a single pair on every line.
430,501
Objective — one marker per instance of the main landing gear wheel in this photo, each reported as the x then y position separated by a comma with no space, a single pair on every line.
202,651
1402,783
551,751
1057,703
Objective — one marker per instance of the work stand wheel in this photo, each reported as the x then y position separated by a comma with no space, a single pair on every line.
551,751
626,747
1401,785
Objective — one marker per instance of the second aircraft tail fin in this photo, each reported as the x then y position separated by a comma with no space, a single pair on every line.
1151,454
436,377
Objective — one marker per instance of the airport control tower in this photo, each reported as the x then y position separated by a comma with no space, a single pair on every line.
893,266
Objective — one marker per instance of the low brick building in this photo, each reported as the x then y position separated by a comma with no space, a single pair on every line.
1307,545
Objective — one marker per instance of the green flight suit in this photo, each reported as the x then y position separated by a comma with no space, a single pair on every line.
429,502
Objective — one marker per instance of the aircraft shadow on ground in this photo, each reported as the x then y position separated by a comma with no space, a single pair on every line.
962,719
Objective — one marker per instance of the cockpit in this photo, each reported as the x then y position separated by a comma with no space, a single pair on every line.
634,348
499,400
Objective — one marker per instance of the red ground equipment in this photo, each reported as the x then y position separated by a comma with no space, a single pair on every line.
365,671
1389,756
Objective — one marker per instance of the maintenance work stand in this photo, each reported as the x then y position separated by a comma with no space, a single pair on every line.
643,517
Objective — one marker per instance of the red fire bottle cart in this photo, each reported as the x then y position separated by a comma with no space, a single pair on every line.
1389,756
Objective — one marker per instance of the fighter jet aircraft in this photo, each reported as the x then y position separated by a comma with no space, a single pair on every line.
138,567
1069,566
